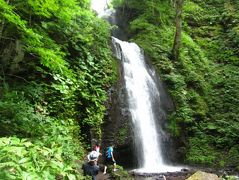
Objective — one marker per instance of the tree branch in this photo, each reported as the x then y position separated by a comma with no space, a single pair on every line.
19,77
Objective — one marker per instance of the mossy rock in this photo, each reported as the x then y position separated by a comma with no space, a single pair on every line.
119,174
199,175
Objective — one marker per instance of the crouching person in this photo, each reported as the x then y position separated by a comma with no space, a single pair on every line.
91,168
96,155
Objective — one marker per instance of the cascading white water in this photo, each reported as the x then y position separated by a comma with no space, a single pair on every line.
142,90
140,86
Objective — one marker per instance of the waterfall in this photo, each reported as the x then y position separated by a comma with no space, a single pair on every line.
143,94
142,90
143,103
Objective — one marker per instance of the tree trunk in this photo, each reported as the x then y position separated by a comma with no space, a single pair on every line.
177,37
2,25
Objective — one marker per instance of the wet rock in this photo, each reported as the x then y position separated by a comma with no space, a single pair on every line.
117,126
199,175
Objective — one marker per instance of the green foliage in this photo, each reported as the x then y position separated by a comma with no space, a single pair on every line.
56,69
230,178
232,156
72,46
201,152
57,137
22,159
51,56
148,10
117,3
122,134
119,174
18,116
42,8
193,13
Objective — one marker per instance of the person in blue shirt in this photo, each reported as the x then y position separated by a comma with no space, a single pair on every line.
110,156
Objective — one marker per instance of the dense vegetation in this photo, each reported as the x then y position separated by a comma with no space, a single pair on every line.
204,82
55,68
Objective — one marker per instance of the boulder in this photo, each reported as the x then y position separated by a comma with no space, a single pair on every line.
199,175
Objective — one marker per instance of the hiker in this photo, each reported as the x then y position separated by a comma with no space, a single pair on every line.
110,157
97,154
91,168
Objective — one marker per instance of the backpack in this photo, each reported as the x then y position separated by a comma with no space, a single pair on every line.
108,152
